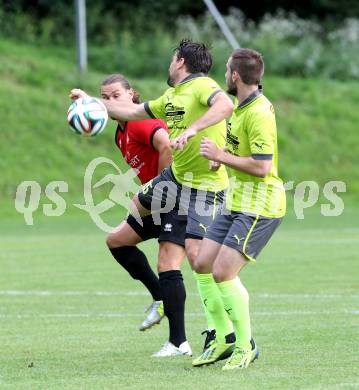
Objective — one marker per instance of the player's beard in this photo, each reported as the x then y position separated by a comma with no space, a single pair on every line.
170,81
232,88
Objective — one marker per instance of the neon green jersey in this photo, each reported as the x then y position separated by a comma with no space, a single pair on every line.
252,131
180,107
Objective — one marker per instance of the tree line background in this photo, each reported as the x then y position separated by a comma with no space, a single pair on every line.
142,15
304,38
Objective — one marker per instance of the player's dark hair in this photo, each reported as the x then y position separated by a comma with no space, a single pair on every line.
119,78
197,56
249,65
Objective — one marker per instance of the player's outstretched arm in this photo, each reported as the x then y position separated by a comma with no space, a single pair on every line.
259,168
221,108
125,110
122,110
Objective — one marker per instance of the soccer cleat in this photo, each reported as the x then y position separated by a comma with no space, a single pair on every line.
168,349
215,352
210,338
242,358
155,315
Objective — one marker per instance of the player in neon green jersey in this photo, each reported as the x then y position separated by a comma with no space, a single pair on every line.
255,205
193,103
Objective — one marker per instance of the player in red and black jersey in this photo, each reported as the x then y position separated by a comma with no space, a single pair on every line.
145,145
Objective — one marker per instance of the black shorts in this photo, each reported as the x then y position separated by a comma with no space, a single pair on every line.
248,234
172,227
198,206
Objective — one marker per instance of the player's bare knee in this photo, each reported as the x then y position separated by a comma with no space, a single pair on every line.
168,265
164,251
170,256
114,241
109,241
192,253
200,265
219,273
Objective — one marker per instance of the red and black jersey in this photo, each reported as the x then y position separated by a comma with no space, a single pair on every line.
135,141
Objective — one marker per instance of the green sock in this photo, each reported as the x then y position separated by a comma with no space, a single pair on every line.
214,309
236,302
210,321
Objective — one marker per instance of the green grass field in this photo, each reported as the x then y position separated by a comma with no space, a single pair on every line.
69,314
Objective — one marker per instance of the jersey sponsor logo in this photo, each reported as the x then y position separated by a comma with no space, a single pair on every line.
232,139
146,187
134,161
174,113
168,227
228,310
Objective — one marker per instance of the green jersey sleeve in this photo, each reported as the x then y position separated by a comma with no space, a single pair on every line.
262,134
206,90
156,108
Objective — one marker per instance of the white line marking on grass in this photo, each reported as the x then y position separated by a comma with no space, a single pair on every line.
305,296
193,314
334,386
51,293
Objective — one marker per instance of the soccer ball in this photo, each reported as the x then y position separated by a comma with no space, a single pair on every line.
87,116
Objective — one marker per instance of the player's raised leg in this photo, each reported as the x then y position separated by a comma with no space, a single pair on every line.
122,245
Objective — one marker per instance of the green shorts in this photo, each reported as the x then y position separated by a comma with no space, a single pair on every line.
248,234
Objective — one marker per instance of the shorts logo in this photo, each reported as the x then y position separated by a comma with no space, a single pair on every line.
203,227
168,227
238,239
146,187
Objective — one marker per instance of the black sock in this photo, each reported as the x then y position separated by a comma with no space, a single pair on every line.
136,264
174,297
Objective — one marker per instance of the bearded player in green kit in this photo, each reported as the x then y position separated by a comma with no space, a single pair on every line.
255,205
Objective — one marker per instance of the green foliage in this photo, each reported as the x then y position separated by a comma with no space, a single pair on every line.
290,45
128,33
133,56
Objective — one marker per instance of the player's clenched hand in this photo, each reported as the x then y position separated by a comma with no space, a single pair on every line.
179,142
77,93
209,150
213,165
